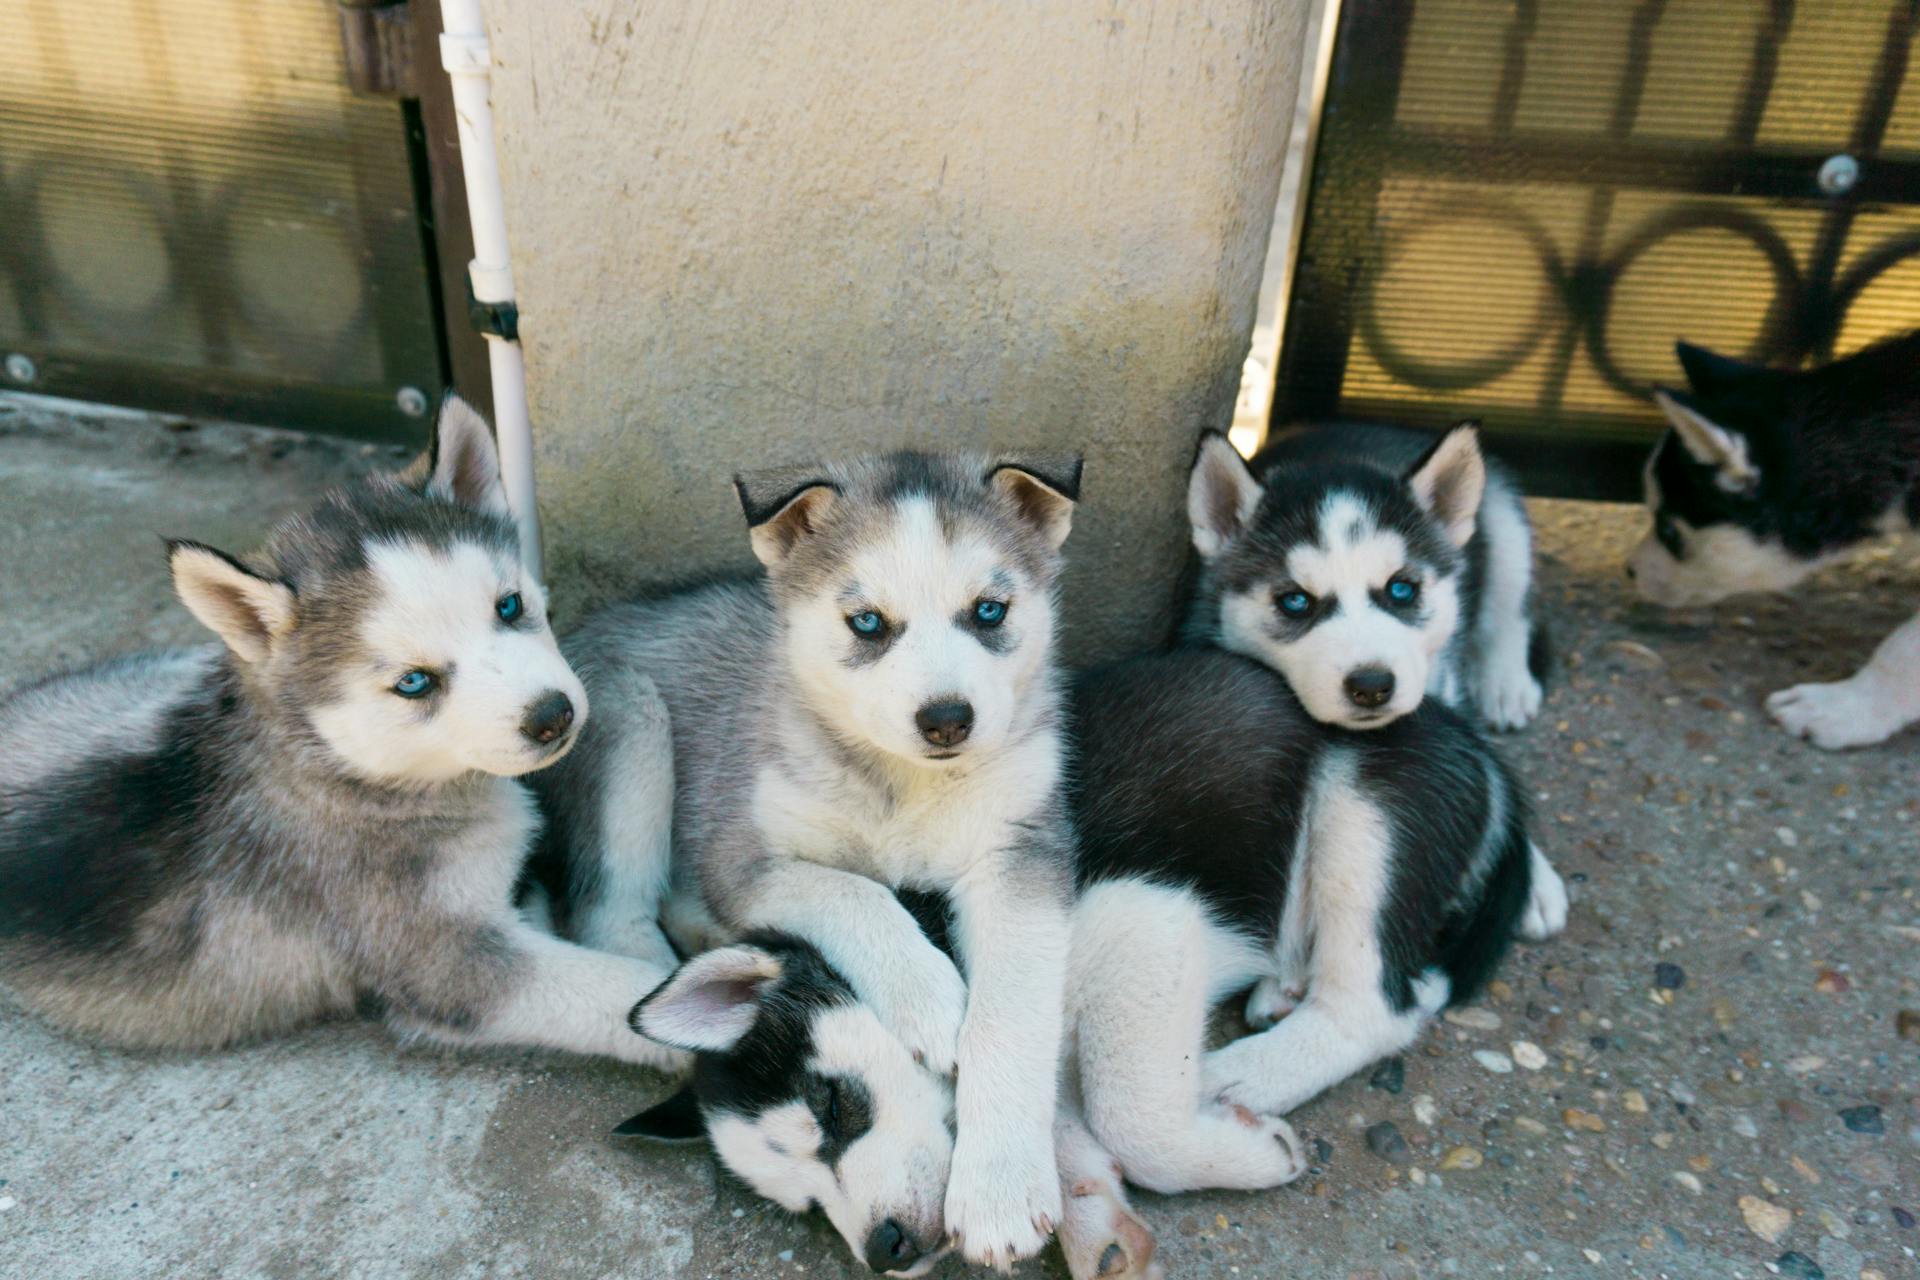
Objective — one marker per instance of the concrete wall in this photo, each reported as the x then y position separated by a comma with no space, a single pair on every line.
750,232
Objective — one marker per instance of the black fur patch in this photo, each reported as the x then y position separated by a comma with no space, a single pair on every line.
1193,769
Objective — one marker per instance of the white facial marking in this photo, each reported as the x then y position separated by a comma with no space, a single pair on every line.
924,586
1355,560
897,1169
435,612
1722,560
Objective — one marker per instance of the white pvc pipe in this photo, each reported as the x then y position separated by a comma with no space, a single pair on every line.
469,63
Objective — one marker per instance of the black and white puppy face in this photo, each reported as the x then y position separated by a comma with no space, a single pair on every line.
806,1097
1341,577
915,593
397,621
1711,487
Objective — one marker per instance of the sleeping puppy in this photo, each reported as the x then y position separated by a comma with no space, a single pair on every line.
1770,474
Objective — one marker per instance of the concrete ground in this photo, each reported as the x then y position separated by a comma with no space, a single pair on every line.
1714,1073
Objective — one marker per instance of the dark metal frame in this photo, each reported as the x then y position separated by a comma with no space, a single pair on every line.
1361,142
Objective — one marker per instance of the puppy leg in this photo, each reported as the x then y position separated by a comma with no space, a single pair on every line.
1012,929
863,931
1325,1040
1100,1236
1546,912
620,880
1508,694
510,984
1877,702
1346,1021
1145,960
1280,993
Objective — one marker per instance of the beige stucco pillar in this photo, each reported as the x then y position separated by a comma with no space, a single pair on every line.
750,232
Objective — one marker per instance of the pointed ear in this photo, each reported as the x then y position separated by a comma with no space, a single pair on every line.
1449,481
710,1001
247,611
782,507
1711,444
1221,495
1044,491
1707,372
677,1119
461,464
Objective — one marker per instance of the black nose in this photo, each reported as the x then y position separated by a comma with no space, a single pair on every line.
890,1248
945,724
547,718
1369,686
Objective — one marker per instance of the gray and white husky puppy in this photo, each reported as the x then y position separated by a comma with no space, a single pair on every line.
1767,475
880,710
1226,838
1370,565
201,846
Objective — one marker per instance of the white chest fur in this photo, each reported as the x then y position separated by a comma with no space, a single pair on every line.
918,826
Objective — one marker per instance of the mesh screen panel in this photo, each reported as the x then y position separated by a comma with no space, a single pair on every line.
195,213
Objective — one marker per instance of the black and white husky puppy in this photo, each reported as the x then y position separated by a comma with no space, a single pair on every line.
200,846
1370,565
880,710
1226,838
1769,474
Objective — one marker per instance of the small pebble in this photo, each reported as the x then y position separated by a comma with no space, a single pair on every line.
1574,1118
1390,1076
1765,1219
1476,1018
1907,1024
1498,1063
1634,1100
1594,1256
1462,1158
1904,1218
1669,976
1864,1119
785,1255
1799,1266
1744,1126
6,1203
1424,1110
1529,1055
1384,1140
1687,1180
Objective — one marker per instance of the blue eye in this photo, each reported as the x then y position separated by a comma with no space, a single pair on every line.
990,613
509,606
1402,591
1295,603
414,684
866,623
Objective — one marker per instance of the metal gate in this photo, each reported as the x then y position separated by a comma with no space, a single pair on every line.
1517,205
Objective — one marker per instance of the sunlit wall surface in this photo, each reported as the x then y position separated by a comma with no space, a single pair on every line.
195,213
1518,205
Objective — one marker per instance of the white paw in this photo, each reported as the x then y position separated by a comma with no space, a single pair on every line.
1847,713
1447,684
1546,912
924,1002
1272,1000
1509,695
1274,1155
1101,1238
1002,1205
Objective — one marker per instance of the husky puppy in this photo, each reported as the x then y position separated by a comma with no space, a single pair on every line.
1769,474
880,710
202,846
1226,838
1369,565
